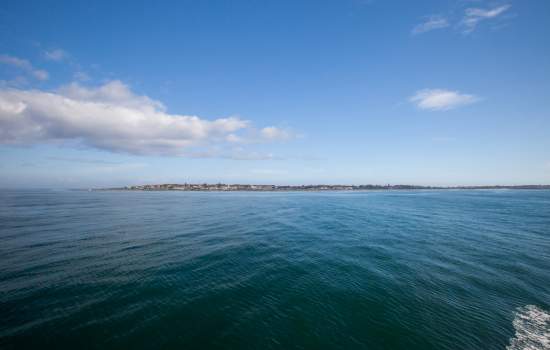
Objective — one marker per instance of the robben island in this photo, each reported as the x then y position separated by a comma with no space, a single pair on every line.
273,188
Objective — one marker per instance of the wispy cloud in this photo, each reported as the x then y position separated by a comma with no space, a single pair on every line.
60,55
81,76
273,133
266,134
468,20
56,55
84,160
234,153
16,81
241,154
273,172
473,16
24,65
111,117
433,22
441,100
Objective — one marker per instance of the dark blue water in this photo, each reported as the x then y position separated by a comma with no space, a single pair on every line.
370,270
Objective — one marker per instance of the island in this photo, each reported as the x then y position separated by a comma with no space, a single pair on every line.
286,188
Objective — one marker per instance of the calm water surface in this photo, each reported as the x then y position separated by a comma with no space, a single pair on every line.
370,270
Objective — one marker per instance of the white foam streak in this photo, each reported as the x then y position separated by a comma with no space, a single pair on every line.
532,326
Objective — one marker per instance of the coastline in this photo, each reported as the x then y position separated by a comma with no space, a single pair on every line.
308,188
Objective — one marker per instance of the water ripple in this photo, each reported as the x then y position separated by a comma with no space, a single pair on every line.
376,270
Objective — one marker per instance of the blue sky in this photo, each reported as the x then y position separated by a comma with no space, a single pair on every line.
286,92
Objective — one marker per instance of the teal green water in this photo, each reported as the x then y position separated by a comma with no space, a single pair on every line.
369,270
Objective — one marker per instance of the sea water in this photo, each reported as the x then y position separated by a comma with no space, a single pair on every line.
241,270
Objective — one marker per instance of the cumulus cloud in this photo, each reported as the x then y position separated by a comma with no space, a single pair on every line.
24,65
55,55
441,100
111,117
432,23
473,16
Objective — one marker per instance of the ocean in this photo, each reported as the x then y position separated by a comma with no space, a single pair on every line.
449,269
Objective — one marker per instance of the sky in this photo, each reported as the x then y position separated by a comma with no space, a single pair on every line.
114,93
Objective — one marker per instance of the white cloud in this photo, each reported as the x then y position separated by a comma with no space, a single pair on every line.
473,16
25,66
16,62
40,74
111,117
272,133
266,134
433,22
441,100
55,55
234,138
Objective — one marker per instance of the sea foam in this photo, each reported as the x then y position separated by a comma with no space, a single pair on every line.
532,326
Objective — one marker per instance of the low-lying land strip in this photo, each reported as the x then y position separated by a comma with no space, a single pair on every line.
272,188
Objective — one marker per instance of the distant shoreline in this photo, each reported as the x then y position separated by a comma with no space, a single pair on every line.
306,188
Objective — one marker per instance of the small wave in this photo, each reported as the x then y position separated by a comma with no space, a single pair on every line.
532,326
